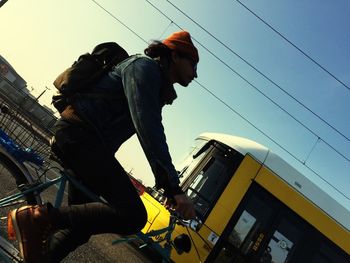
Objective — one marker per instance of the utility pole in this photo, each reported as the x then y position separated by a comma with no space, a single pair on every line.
2,2
42,93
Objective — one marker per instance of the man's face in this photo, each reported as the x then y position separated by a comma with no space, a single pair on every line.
186,70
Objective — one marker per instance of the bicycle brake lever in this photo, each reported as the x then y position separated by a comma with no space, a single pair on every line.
195,224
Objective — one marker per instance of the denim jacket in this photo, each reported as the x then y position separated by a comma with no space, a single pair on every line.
134,93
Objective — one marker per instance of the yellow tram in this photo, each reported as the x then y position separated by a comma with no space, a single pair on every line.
255,207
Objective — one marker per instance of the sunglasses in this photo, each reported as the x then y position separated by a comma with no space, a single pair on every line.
193,63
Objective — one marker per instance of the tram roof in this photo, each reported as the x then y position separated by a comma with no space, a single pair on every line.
286,172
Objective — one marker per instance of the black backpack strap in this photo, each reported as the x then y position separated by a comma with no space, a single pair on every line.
60,101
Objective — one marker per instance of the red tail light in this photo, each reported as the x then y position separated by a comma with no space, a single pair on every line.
138,185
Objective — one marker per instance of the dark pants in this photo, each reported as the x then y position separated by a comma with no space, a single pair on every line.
99,171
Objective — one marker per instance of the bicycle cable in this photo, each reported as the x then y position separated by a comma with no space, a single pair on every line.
195,247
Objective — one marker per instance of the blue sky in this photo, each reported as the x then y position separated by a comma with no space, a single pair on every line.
40,38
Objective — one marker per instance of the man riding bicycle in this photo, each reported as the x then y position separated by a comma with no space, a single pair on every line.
89,133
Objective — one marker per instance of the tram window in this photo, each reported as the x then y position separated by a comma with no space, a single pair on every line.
208,184
186,166
250,223
244,225
283,241
247,233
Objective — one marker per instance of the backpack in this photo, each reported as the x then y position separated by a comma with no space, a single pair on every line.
85,72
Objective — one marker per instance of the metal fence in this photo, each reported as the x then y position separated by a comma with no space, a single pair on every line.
23,132
23,119
21,100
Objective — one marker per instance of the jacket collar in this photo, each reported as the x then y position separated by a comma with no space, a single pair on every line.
167,92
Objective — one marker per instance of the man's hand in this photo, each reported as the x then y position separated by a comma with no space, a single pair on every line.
184,206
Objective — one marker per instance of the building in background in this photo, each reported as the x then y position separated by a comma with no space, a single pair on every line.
9,73
15,94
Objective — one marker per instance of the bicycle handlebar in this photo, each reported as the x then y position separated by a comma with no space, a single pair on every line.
195,224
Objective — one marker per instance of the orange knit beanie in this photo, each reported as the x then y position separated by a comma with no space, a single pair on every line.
181,41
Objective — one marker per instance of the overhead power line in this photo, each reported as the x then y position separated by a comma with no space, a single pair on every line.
273,140
225,104
294,45
260,72
249,83
119,21
238,74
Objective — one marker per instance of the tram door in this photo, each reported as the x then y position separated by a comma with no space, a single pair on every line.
262,230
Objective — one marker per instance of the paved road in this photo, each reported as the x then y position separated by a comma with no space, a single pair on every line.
99,249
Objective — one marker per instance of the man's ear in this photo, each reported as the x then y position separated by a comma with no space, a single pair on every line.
174,56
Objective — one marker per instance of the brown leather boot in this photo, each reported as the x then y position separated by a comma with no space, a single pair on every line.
32,227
